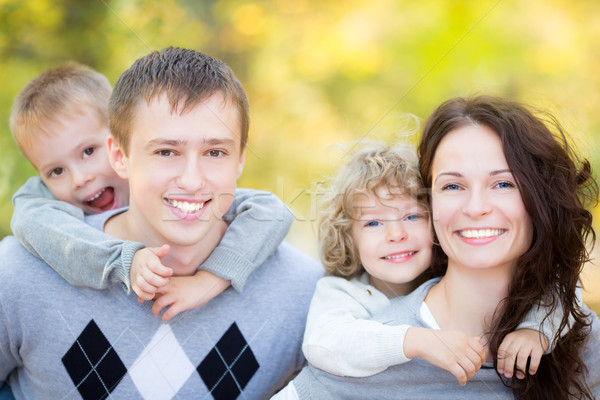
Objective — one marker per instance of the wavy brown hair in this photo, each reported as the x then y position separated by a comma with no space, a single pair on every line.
370,167
556,187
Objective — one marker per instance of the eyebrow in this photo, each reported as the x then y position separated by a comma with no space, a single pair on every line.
459,175
178,142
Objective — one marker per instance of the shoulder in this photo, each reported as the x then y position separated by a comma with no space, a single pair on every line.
19,268
296,261
404,309
99,220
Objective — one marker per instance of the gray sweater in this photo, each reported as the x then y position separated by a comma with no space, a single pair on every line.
417,379
63,342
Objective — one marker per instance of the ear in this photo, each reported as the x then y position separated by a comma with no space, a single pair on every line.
117,157
241,163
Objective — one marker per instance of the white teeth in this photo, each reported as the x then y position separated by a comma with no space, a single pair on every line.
96,195
399,255
185,206
480,233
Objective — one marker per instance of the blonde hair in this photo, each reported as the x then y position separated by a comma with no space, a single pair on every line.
56,91
370,167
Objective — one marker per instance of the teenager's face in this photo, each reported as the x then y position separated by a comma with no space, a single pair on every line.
72,161
393,237
478,213
182,169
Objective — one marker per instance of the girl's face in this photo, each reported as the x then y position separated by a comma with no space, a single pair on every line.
478,213
393,237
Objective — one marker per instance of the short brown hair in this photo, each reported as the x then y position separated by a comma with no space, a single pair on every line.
47,97
370,167
185,75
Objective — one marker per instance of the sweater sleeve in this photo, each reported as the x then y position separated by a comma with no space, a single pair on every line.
55,232
259,222
340,340
536,320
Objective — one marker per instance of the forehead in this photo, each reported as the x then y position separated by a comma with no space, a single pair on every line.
383,200
467,148
214,115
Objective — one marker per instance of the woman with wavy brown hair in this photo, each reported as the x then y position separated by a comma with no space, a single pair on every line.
553,186
509,202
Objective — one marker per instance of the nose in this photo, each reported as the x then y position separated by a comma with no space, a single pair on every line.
81,177
191,178
396,232
477,203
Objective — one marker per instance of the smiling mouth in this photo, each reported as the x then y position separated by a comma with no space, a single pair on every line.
188,207
104,200
397,256
480,233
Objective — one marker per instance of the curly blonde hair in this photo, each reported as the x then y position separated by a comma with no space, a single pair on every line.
370,167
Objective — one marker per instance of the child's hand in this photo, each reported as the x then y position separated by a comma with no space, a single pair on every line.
186,292
517,347
147,274
454,351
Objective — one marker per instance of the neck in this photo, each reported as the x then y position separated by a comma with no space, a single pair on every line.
184,260
466,298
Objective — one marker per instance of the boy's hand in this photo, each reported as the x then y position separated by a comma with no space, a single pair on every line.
516,348
147,274
186,292
454,351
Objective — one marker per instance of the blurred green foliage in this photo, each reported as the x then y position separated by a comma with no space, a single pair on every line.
321,72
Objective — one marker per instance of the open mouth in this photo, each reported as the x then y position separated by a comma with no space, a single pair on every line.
103,200
187,207
480,233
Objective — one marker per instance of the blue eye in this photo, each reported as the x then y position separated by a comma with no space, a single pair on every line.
372,223
505,185
414,217
451,186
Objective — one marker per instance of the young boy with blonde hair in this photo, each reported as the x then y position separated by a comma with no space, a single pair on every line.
60,123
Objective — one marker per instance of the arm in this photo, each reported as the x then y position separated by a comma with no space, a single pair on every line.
259,222
55,232
340,340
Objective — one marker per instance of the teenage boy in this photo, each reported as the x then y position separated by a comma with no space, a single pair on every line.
59,121
180,121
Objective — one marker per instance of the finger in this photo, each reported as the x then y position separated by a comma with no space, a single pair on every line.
521,364
459,374
534,362
161,251
153,279
159,304
171,312
507,360
468,367
475,358
158,269
144,286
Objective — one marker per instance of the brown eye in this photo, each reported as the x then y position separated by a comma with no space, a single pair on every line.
88,152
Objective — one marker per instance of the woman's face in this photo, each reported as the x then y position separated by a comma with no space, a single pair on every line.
478,213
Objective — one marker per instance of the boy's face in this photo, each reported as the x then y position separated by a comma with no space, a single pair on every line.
182,169
73,162
393,237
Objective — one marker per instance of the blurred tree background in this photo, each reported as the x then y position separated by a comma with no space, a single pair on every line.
323,72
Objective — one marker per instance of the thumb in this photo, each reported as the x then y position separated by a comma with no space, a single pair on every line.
161,251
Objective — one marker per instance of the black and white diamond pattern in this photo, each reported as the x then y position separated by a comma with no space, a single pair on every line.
229,366
163,366
93,364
